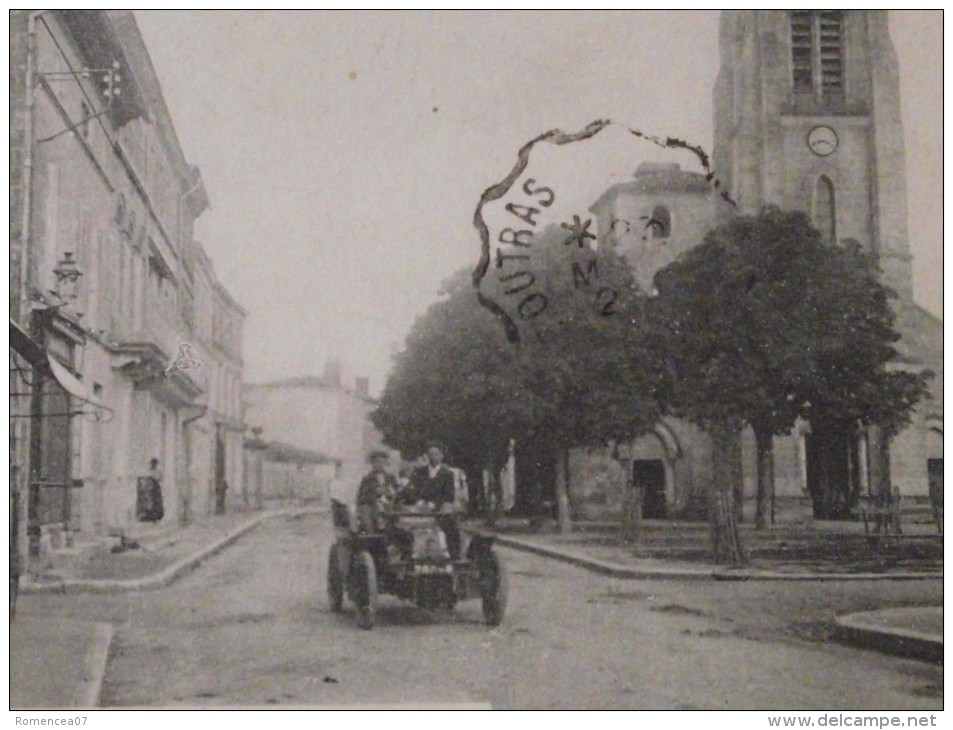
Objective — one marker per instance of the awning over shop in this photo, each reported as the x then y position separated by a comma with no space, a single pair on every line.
72,385
25,346
31,351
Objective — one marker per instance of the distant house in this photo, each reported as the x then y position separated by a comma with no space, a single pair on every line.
278,474
327,415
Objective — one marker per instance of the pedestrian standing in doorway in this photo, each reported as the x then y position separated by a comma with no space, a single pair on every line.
149,506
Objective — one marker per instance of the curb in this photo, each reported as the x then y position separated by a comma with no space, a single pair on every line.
614,570
89,690
158,580
908,643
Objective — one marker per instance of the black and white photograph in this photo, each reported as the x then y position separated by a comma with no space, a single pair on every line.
477,360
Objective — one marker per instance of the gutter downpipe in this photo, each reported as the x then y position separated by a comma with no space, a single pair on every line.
186,516
24,312
26,223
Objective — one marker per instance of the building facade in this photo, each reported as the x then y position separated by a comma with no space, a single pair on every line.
325,415
100,186
807,117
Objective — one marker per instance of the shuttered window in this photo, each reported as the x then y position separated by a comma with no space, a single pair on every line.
802,50
817,53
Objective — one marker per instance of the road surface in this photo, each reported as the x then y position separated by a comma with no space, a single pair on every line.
252,627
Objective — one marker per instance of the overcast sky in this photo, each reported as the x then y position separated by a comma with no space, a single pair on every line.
344,152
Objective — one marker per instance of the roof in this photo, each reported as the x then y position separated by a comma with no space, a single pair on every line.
652,178
286,453
928,315
309,381
208,266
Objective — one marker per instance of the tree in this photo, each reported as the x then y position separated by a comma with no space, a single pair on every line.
576,379
582,360
766,323
455,381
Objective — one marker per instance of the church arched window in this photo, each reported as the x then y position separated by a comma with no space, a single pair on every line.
661,222
817,53
824,208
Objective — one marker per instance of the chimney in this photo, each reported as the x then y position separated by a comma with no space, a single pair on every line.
362,387
332,372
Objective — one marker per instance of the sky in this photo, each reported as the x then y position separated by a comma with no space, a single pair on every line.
344,152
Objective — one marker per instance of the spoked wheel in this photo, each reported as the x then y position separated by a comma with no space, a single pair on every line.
494,588
365,589
335,580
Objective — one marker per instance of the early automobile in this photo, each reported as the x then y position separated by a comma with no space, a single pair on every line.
403,552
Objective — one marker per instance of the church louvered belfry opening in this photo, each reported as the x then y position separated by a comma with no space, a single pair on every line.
817,61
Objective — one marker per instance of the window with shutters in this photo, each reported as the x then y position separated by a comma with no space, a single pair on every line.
817,54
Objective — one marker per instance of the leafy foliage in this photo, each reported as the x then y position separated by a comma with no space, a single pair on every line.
577,379
765,323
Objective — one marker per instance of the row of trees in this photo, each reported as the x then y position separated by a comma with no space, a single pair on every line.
762,324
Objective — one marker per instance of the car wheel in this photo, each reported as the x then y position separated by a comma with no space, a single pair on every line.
365,593
335,581
494,588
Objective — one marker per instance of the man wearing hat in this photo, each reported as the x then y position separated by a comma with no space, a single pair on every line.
434,483
377,488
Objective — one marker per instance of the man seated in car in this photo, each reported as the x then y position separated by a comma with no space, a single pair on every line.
378,490
433,485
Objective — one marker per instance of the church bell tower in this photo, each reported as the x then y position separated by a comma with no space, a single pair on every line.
807,117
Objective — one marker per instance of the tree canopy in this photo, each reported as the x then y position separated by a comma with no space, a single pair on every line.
576,380
765,322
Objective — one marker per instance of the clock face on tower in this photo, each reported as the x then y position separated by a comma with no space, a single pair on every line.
822,141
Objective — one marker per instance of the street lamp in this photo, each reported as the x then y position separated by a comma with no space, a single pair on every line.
68,274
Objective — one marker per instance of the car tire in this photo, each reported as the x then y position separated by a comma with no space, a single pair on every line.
335,580
365,593
494,588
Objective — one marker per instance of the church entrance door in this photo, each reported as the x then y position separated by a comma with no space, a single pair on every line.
649,475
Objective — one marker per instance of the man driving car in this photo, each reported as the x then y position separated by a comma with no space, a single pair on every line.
434,485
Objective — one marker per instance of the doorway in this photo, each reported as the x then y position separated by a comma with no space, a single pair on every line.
649,476
833,469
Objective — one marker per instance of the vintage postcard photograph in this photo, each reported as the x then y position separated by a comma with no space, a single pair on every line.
477,359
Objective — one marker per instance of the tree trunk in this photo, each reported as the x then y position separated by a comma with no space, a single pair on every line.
726,540
764,440
562,490
491,493
631,514
886,501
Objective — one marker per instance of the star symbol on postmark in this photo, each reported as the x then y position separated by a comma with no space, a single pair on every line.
579,230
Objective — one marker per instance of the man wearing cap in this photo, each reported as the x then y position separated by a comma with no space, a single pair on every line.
434,483
377,488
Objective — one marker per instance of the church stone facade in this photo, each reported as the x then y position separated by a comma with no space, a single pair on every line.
807,117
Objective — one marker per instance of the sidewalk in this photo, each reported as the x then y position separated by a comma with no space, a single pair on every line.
60,663
826,551
163,555
57,663
910,632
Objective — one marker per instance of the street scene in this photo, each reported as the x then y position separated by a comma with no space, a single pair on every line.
236,632
452,360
